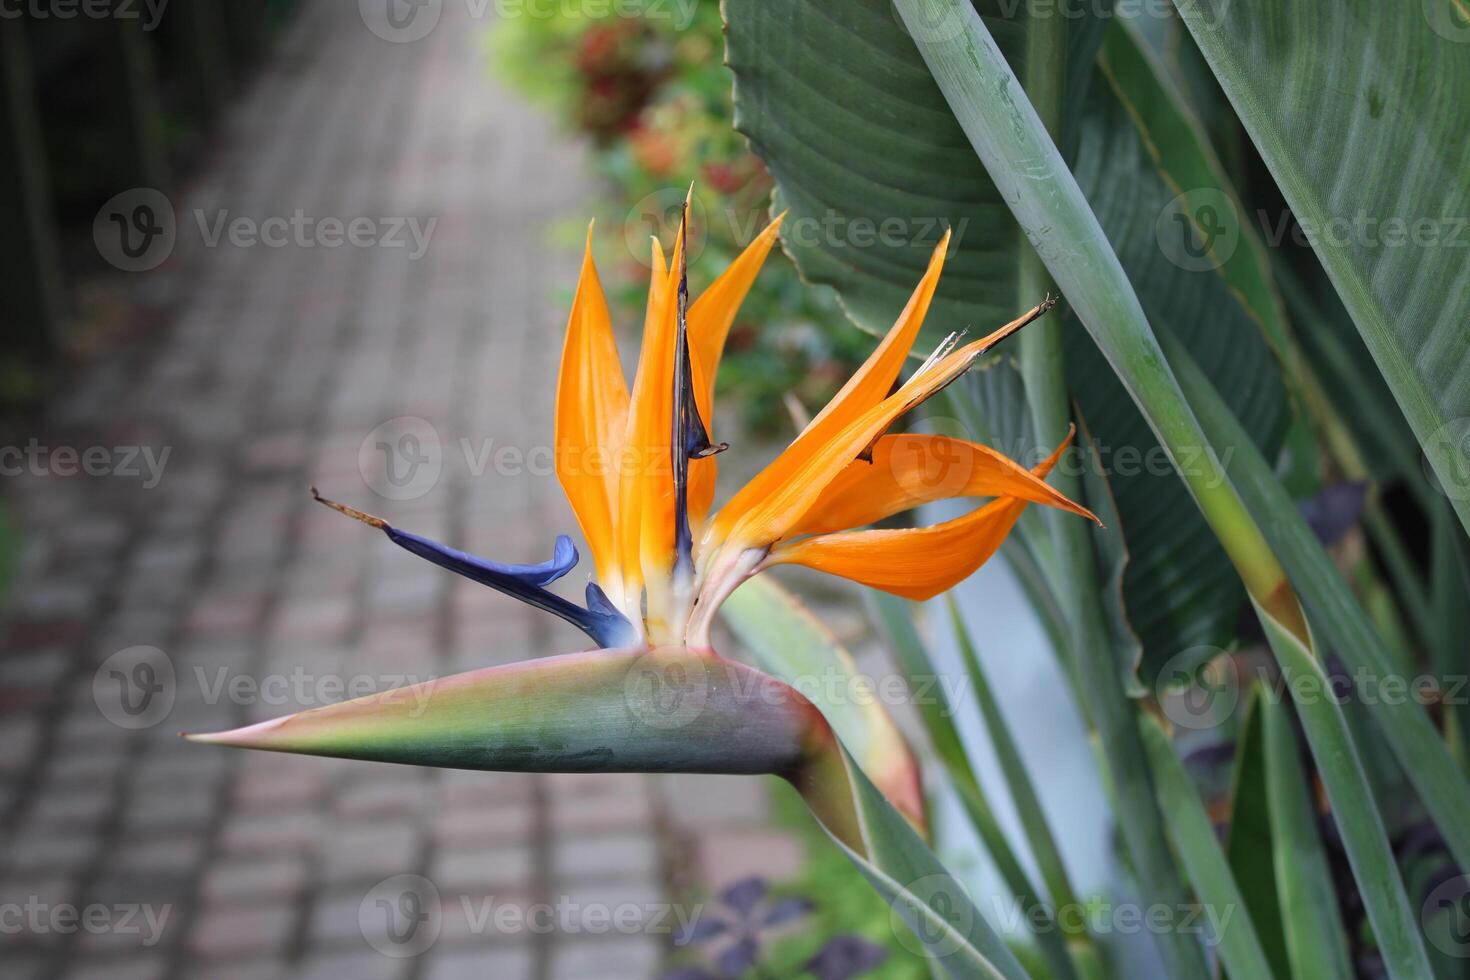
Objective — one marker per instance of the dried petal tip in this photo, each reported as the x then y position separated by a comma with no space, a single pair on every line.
1026,319
351,512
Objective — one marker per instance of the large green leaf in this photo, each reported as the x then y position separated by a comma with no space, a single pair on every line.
836,100
865,135
1357,108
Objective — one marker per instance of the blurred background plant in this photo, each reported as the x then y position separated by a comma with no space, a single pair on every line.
652,96
95,105
758,933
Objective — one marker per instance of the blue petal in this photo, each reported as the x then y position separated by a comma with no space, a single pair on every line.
603,622
492,573
612,627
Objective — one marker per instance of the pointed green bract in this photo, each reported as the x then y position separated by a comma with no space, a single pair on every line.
663,710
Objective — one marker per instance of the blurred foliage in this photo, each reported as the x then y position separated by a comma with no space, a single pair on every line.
11,543
653,97
845,903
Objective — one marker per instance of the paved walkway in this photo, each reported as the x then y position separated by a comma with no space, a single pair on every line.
259,370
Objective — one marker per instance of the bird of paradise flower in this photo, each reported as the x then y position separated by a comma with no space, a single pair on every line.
638,467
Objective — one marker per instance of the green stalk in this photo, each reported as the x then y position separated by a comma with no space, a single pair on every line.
1043,195
1406,579
937,714
1023,793
1090,662
1315,942
1194,835
1334,612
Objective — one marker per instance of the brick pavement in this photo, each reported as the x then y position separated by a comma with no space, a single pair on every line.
261,370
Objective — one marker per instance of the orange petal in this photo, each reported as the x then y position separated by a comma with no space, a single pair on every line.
591,418
909,470
865,390
916,563
646,498
875,378
710,318
768,508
